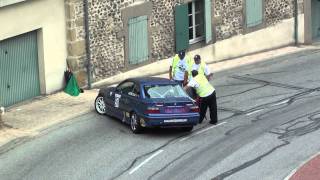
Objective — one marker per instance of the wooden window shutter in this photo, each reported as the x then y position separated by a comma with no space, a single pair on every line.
254,12
181,27
208,24
138,40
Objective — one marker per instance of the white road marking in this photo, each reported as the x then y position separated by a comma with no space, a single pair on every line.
281,102
145,161
253,112
202,131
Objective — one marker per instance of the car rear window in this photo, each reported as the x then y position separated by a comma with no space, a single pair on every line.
164,91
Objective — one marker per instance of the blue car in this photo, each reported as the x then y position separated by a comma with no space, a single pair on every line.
148,102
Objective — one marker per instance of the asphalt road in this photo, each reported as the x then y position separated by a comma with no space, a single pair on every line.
269,120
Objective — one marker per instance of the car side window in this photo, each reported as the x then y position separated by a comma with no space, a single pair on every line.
125,87
135,92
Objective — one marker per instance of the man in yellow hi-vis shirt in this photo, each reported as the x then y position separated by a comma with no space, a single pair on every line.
180,67
207,94
200,66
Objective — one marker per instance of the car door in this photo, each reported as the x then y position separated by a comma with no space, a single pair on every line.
130,101
109,97
121,98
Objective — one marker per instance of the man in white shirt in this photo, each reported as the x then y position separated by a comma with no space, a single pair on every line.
201,67
179,68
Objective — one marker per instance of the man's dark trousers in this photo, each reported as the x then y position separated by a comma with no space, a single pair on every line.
211,102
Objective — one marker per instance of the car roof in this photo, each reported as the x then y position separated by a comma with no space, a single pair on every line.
151,80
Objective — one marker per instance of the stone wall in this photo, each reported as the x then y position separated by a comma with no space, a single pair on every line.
107,38
76,40
228,18
230,21
278,10
107,50
162,24
107,47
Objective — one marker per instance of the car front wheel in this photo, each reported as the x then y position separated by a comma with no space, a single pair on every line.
135,124
100,105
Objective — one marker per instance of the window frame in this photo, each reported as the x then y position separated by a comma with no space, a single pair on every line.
135,10
136,92
244,16
194,24
120,89
138,37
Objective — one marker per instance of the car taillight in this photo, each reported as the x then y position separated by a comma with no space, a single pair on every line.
194,109
153,110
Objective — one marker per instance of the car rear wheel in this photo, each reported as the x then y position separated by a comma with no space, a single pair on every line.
135,124
187,129
100,105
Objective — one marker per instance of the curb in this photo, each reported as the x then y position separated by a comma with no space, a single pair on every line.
293,172
14,143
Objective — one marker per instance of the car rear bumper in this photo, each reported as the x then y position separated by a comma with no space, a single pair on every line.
166,120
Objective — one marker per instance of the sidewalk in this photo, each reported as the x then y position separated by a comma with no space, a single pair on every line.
27,119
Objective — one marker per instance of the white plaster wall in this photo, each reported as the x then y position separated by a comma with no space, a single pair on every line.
48,18
279,35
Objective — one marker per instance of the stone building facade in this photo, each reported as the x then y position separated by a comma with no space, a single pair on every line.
229,15
108,30
76,39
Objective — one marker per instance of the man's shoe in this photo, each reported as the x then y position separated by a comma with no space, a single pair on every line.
213,123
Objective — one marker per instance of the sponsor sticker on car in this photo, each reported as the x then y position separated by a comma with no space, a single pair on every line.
175,120
117,100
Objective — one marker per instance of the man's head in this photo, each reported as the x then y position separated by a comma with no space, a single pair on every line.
197,59
181,54
194,73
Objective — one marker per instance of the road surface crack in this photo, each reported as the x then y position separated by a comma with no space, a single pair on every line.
171,162
248,163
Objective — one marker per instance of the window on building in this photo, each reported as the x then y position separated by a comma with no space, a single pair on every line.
254,13
196,21
193,23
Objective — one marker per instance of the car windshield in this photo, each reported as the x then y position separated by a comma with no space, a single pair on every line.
164,91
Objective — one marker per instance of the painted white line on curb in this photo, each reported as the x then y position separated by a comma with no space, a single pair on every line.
145,161
253,112
302,164
202,131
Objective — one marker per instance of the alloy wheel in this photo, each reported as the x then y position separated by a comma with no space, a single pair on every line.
100,105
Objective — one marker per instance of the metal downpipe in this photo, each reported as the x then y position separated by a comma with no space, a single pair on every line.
87,41
296,22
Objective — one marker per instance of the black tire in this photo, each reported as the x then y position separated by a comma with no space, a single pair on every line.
100,105
135,123
187,129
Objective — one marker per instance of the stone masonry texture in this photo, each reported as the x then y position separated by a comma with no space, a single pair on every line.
106,23
76,39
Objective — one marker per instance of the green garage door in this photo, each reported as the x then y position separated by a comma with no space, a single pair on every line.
19,74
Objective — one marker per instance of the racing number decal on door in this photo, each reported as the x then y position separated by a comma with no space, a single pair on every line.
116,100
